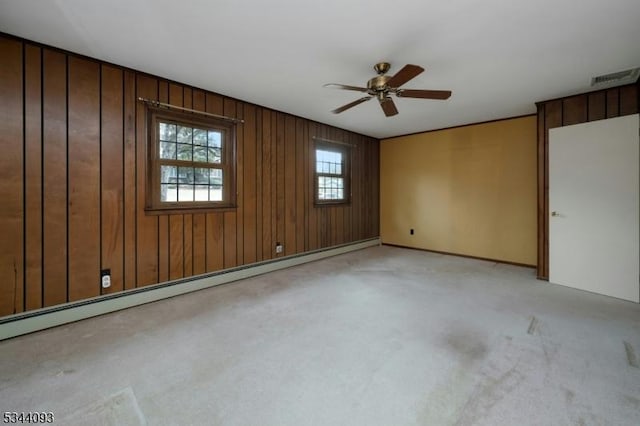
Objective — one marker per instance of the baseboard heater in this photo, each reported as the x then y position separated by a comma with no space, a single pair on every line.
40,319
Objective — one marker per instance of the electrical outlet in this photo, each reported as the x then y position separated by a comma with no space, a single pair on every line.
411,231
105,278
279,248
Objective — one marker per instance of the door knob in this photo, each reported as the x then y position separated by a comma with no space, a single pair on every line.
555,214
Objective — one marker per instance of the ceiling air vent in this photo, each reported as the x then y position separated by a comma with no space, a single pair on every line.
617,78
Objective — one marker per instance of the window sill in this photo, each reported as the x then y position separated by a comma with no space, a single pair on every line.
331,203
187,210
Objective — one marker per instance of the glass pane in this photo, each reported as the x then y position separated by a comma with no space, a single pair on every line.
332,168
215,194
321,194
340,193
199,153
215,139
185,193
339,169
185,175
168,193
340,182
168,150
215,178
202,176
185,152
168,132
185,134
168,174
202,193
199,137
215,155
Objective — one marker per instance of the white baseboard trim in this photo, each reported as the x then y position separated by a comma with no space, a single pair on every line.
29,322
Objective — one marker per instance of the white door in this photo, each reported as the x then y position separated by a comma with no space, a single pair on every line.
594,195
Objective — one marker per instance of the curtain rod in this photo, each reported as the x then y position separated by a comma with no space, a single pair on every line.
157,103
316,138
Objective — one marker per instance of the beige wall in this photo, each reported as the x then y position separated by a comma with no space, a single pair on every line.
468,190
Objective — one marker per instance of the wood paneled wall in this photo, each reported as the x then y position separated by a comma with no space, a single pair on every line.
597,105
72,183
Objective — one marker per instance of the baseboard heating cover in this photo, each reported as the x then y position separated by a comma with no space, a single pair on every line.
40,319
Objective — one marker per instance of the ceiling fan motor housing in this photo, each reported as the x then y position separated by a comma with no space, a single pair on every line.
378,84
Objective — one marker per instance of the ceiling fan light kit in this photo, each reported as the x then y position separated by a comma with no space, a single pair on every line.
383,86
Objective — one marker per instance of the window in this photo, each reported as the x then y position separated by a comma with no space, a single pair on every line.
332,173
191,161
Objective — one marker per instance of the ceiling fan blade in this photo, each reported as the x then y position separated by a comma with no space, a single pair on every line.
424,94
405,74
351,105
346,87
388,107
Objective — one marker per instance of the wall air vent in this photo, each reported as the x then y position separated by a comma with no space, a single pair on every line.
617,78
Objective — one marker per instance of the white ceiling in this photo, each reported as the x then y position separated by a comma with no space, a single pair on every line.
497,56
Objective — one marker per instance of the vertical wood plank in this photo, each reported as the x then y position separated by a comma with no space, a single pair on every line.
164,258
306,174
54,142
187,251
249,185
258,184
267,187
553,114
147,226
355,194
597,106
130,182
300,189
280,180
376,168
84,178
230,217
176,221
629,99
274,183
11,190
214,240
612,103
370,192
199,220
33,177
574,110
347,208
290,185
112,172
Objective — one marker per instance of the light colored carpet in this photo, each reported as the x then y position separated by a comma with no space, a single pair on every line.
382,336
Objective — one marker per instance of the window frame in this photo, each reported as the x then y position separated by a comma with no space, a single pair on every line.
227,164
343,149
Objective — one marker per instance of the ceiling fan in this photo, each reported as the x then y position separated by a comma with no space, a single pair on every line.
384,85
